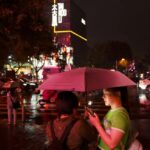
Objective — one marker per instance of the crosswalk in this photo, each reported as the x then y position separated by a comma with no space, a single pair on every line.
33,109
3,108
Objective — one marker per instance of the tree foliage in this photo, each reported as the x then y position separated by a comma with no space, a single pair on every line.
3,51
106,54
143,62
25,28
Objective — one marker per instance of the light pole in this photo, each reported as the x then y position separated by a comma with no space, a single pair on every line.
116,65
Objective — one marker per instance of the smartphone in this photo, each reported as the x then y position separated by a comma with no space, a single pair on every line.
89,110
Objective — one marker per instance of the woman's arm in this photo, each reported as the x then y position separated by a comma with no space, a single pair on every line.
112,139
48,133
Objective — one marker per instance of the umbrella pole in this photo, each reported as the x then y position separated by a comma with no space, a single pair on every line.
86,98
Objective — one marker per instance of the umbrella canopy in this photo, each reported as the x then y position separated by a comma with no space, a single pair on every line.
85,79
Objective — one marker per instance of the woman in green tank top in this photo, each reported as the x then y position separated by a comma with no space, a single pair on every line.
113,131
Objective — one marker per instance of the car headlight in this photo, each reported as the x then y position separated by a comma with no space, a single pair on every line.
142,86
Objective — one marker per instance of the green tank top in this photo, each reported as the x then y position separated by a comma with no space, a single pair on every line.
119,119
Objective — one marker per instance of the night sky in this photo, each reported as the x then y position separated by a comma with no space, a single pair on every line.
123,20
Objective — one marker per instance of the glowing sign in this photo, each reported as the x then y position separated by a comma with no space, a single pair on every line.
54,15
83,21
58,12
69,31
61,12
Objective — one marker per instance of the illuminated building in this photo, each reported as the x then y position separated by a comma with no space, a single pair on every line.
69,27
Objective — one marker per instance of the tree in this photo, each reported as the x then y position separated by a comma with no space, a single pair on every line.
106,55
3,52
146,60
26,26
143,62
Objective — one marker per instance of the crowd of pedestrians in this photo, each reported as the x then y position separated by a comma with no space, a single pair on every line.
82,131
92,133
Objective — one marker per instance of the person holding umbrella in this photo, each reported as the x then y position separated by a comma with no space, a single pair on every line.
114,131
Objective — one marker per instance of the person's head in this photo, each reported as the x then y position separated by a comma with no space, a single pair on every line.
114,95
66,102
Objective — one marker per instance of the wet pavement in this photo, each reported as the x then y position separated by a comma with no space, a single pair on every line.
30,135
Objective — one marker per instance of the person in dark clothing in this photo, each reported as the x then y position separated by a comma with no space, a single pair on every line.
82,135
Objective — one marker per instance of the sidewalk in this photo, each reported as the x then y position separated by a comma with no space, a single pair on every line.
30,136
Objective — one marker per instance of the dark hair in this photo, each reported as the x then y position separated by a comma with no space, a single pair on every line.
66,101
114,91
123,95
13,91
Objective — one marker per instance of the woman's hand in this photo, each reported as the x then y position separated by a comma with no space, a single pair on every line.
94,120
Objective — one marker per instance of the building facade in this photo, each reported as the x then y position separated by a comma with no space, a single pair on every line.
69,28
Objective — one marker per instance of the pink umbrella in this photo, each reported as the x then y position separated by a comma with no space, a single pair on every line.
86,79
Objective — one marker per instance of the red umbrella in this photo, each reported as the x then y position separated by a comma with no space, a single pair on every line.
86,79
11,84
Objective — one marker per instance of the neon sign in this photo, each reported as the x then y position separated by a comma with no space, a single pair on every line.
58,12
54,15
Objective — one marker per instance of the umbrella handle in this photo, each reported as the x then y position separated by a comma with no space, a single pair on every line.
86,98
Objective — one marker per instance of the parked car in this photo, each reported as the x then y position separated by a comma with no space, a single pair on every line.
144,84
28,85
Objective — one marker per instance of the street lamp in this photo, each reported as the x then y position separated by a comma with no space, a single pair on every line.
116,65
123,62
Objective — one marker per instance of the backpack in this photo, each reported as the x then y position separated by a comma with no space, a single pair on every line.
15,102
135,143
60,144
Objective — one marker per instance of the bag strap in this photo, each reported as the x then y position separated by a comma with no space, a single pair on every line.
67,130
11,98
52,130
65,133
